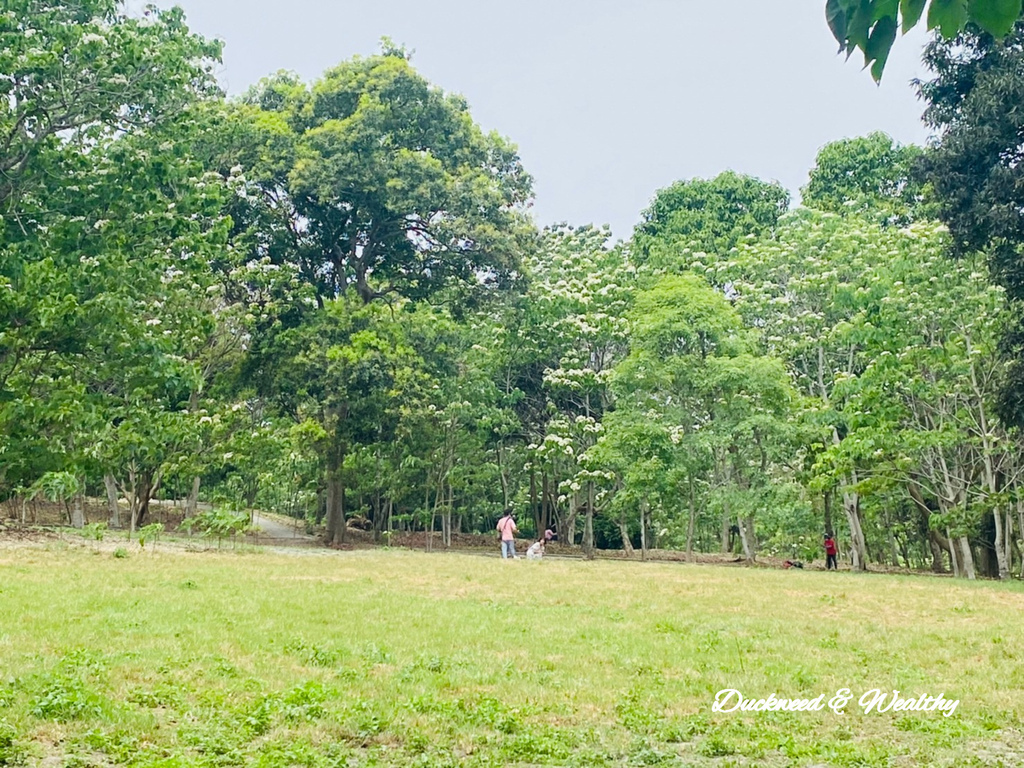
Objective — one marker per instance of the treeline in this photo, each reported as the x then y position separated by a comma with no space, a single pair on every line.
328,300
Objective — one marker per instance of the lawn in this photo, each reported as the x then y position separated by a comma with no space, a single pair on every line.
386,658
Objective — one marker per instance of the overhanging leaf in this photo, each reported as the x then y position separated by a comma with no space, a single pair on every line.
949,16
994,16
858,27
879,44
836,17
911,11
883,9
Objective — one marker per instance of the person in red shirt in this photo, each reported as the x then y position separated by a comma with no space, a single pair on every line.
831,550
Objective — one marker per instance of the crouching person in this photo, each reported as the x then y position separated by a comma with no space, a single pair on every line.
536,550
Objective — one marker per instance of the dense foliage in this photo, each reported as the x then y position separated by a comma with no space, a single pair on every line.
328,300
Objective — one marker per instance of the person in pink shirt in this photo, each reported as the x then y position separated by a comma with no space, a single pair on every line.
507,528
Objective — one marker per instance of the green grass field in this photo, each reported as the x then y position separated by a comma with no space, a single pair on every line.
400,658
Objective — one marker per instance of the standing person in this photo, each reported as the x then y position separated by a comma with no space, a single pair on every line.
831,550
508,530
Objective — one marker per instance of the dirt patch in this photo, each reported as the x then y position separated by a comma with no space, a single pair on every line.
40,512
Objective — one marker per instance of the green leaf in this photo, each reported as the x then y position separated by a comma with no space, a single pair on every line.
949,16
884,9
911,11
994,16
879,45
858,27
836,17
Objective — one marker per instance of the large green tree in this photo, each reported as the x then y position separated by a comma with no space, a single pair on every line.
371,185
374,180
869,176
711,215
73,70
975,168
106,232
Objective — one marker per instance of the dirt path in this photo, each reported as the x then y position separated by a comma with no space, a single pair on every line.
282,533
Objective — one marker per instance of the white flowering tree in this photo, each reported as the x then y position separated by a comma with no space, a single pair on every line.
894,348
107,229
920,412
581,290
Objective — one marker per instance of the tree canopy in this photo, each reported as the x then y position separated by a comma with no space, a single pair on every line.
327,299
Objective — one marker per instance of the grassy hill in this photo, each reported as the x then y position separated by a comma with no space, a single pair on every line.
386,658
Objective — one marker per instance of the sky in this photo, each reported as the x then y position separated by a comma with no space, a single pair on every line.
607,100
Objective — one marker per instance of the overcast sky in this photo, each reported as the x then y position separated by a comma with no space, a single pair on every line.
608,100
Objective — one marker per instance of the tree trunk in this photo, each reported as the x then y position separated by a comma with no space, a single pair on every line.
643,530
1004,569
144,490
78,511
1008,543
1020,527
627,545
827,504
569,524
588,525
133,498
936,546
954,562
433,514
858,548
503,475
726,525
534,508
965,548
748,539
115,509
691,522
192,502
446,519
545,511
332,504
335,496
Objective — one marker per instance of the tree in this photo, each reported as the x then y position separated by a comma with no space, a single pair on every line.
711,215
871,25
369,186
870,176
920,411
73,70
377,181
107,232
583,289
807,290
712,403
975,169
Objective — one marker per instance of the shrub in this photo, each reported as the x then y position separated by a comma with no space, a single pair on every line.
218,523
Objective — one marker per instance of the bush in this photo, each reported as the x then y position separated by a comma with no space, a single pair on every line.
150,532
218,523
95,531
